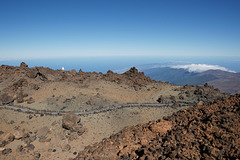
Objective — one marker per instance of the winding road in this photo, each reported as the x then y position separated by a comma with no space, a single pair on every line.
81,113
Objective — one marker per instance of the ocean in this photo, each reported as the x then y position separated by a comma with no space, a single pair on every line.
118,63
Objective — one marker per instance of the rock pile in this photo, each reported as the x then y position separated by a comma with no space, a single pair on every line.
193,95
204,132
132,77
8,137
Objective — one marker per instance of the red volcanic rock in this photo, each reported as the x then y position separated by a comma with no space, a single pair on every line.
204,132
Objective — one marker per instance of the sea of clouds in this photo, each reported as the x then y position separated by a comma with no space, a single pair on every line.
198,68
201,67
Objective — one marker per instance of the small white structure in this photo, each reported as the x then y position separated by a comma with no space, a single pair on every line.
63,68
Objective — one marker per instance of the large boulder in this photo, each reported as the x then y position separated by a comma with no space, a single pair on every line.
70,120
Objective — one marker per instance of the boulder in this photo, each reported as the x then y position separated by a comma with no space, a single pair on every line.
6,99
70,121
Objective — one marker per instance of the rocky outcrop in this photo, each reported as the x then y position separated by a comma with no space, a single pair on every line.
204,132
132,77
193,95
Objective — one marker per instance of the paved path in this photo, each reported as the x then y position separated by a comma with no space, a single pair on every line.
34,111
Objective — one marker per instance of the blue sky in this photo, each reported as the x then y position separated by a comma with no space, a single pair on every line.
74,28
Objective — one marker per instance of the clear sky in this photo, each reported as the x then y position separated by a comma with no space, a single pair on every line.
72,28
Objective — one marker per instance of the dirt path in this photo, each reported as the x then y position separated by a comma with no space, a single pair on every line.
47,112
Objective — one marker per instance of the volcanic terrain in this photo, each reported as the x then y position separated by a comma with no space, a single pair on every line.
54,114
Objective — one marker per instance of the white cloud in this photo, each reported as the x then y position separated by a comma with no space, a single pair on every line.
201,67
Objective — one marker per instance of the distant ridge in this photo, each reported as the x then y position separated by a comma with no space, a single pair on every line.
228,82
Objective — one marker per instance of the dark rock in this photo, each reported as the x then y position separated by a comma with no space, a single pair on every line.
181,97
3,143
30,147
30,100
11,122
67,100
70,121
7,151
6,138
6,99
30,116
206,85
36,155
19,148
160,99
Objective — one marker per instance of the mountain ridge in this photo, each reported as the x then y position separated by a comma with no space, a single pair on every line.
226,81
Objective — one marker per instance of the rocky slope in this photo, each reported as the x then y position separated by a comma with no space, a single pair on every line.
39,135
46,89
204,132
